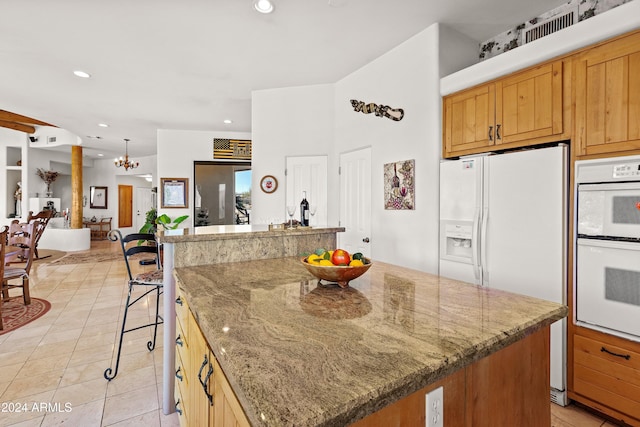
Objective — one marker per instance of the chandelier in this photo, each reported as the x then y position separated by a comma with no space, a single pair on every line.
125,162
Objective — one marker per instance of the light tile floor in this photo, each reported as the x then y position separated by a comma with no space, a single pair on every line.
51,370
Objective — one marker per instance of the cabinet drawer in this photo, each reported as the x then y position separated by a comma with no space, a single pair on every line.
181,372
182,415
182,344
608,374
182,310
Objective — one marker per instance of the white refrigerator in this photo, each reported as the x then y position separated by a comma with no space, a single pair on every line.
503,224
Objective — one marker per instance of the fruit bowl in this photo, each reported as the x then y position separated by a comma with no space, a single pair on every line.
340,274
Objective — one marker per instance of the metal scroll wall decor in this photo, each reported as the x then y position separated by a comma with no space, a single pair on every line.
395,114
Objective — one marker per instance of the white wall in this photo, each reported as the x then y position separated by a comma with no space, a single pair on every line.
177,150
103,173
407,77
296,121
315,120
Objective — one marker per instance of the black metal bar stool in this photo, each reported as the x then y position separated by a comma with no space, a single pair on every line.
134,244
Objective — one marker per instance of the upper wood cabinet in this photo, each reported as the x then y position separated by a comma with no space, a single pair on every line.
529,104
469,118
522,109
607,98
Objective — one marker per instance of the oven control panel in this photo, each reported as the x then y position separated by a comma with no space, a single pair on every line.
626,170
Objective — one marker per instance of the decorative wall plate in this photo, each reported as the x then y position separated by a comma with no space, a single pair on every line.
269,183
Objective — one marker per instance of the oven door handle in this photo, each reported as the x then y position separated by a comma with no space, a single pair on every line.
613,186
609,243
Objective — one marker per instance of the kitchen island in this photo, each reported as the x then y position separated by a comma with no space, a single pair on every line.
299,353
222,244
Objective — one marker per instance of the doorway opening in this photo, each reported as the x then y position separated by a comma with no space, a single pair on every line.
222,193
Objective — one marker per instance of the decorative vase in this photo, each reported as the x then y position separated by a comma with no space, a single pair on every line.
49,193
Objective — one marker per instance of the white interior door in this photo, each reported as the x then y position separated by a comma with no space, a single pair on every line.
355,201
143,202
307,173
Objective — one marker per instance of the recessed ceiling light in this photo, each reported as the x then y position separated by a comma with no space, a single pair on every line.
82,74
227,122
103,125
100,155
263,6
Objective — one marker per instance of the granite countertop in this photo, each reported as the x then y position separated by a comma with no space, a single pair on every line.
301,354
223,232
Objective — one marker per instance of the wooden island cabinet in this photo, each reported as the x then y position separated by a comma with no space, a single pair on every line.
202,393
285,350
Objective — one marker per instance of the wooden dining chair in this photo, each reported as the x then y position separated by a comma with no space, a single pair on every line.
150,281
104,227
44,217
4,231
22,235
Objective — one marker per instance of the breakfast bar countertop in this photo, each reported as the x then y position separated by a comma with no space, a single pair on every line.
301,353
223,232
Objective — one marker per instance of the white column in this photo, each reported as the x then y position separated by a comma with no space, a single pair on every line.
169,350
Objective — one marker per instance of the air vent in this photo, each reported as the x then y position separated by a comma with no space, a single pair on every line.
51,139
550,26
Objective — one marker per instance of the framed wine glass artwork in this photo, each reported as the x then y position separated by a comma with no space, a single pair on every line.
268,184
399,183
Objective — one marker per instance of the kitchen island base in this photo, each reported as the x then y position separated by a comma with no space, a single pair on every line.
507,388
296,353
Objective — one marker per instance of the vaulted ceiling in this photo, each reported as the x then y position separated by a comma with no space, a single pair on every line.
159,64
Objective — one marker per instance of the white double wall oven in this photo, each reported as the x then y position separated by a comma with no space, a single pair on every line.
607,267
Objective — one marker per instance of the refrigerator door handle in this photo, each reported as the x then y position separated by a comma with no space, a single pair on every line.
475,250
483,251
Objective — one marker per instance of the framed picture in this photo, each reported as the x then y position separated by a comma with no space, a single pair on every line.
269,184
175,192
98,197
399,185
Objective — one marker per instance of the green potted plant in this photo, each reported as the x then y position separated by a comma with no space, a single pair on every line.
165,222
149,221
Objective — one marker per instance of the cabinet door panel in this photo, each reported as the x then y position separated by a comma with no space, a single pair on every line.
596,99
200,363
529,104
634,96
228,412
469,120
607,97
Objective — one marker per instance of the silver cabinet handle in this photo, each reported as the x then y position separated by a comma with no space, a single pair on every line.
179,341
204,383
